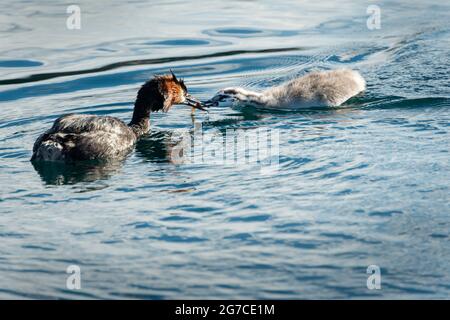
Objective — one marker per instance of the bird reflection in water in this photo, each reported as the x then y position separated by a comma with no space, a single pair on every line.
165,147
72,173
157,147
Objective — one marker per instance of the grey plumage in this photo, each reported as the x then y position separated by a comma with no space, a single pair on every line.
84,137
325,88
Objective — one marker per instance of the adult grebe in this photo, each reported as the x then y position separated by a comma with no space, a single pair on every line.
325,88
88,137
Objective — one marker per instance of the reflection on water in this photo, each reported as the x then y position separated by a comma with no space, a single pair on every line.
59,173
112,66
364,184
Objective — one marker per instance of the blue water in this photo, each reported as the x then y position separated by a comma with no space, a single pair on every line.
367,183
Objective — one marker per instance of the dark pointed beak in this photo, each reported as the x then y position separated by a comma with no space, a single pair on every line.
209,103
193,102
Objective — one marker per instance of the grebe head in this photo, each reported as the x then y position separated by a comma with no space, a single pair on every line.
230,97
162,92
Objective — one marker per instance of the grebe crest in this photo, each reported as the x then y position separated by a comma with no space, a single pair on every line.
324,88
89,137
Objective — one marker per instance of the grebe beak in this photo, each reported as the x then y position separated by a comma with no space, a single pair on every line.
191,101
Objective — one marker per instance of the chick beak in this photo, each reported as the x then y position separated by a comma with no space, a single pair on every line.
193,102
209,103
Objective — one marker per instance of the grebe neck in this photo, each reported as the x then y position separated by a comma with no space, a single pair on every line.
149,98
140,122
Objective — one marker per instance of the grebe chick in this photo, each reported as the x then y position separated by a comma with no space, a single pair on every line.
88,137
325,88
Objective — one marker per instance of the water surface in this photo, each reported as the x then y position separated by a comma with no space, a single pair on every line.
364,184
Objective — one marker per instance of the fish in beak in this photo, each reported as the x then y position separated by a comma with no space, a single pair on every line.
194,103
